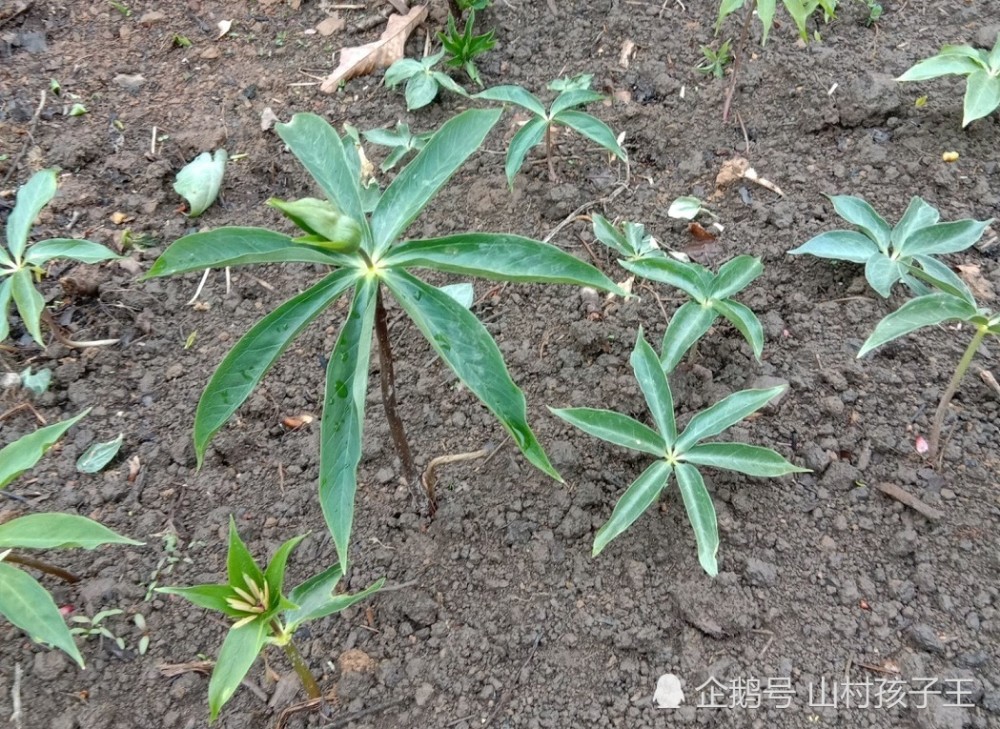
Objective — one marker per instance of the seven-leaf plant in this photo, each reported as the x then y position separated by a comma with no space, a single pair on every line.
370,260
800,10
263,615
679,454
422,82
23,600
889,252
562,111
19,261
950,301
982,69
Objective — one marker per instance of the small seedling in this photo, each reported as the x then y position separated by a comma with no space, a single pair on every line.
399,140
463,48
678,454
875,11
631,241
715,61
951,300
181,41
94,627
19,263
563,111
711,296
125,10
800,10
888,253
422,82
263,615
475,5
170,559
688,208
55,87
982,69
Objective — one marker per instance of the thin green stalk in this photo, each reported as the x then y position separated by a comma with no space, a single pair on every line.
304,674
948,394
548,153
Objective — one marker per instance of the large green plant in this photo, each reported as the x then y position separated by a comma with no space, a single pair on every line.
370,260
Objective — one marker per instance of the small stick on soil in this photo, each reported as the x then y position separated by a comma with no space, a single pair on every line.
741,51
37,564
991,381
23,406
29,139
746,137
905,497
15,697
351,718
429,479
575,215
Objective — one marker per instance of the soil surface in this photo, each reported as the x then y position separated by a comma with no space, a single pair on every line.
499,616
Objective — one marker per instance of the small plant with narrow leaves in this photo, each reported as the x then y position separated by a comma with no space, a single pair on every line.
254,599
564,111
23,600
630,240
711,296
370,260
679,455
950,300
715,61
400,141
463,48
799,10
423,81
20,263
981,69
889,253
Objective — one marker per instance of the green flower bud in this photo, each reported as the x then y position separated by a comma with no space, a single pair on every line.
324,224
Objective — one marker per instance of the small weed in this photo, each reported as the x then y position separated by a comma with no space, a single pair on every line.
463,48
715,62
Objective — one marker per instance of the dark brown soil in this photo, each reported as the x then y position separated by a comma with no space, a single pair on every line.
501,617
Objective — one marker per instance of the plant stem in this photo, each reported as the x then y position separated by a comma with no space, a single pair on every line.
388,382
548,153
738,57
41,566
305,675
956,380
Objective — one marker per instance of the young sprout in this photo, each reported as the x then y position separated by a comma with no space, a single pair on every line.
422,82
463,48
715,62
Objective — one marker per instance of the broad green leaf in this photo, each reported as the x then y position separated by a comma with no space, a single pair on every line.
725,413
993,57
918,313
684,276
639,496
527,137
655,389
593,129
274,574
5,260
945,237
242,369
735,275
212,597
748,459
240,564
975,54
942,278
343,421
573,98
610,236
941,65
234,246
98,455
727,8
746,323
859,213
29,303
839,245
688,324
5,294
427,173
614,428
463,293
315,598
446,81
199,181
57,531
420,91
25,452
29,606
701,514
32,196
400,71
467,348
321,151
499,257
918,215
239,650
514,95
685,208
84,251
882,272
982,96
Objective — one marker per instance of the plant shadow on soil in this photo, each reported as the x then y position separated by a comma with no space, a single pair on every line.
508,620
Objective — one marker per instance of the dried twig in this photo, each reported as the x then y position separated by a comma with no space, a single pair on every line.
15,697
429,479
740,52
905,497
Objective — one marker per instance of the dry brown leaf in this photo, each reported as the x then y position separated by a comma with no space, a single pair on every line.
981,288
628,49
362,60
330,25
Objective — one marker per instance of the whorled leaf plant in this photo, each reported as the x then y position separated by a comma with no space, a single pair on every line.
679,454
369,260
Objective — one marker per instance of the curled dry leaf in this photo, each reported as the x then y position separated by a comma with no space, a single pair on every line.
738,168
294,422
628,50
362,60
267,119
224,27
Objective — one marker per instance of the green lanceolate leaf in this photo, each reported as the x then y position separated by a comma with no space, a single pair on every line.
857,212
614,428
421,90
765,11
57,531
245,365
5,294
639,496
610,236
421,179
918,313
25,452
467,348
98,455
882,272
735,275
593,129
686,277
499,257
723,414
941,65
653,383
274,575
240,564
688,324
982,96
701,514
746,323
514,95
573,98
315,598
942,278
211,597
239,650
29,303
30,607
342,426
918,215
747,459
84,251
944,237
840,245
34,195
527,137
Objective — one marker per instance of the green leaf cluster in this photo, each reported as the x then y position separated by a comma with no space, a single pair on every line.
888,253
800,10
981,69
422,82
630,241
462,48
19,262
400,140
